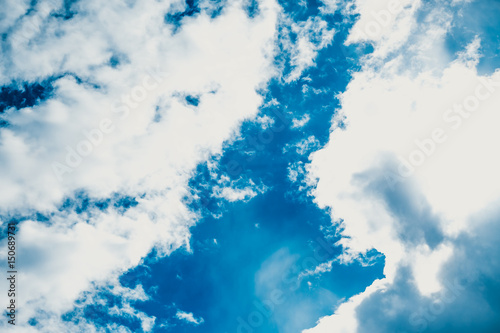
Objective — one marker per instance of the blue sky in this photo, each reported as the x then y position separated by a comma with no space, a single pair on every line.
251,166
217,279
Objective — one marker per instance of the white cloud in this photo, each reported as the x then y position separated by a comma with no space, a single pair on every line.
147,323
318,270
232,194
303,146
155,143
329,6
412,169
189,317
265,121
240,189
299,123
387,23
312,35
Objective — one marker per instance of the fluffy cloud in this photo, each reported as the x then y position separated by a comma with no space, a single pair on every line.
136,105
409,171
311,36
188,317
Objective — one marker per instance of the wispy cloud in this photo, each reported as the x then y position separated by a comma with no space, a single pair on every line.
189,317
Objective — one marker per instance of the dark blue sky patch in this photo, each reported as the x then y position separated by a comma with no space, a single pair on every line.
66,12
299,12
79,203
32,322
4,123
6,220
23,95
26,94
192,8
41,217
82,203
18,218
114,61
175,19
123,203
32,6
200,185
193,100
117,59
252,8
